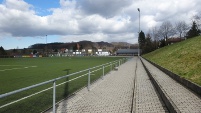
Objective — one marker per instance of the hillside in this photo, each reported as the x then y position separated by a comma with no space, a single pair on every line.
182,58
84,44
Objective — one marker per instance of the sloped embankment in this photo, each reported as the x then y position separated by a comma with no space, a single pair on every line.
182,58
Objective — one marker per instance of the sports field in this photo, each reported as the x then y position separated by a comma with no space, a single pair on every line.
18,73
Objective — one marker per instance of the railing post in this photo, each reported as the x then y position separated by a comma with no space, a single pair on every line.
89,80
116,64
54,97
103,71
110,66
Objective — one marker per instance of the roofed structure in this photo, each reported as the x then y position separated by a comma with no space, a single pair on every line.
127,52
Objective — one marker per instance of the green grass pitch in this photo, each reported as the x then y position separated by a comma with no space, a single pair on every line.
18,73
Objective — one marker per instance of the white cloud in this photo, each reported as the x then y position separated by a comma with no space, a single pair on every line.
17,5
95,20
96,37
106,8
149,21
92,37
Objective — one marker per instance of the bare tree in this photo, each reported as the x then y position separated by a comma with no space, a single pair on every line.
154,34
166,30
181,27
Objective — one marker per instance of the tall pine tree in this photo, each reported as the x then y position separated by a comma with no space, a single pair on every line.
194,31
141,39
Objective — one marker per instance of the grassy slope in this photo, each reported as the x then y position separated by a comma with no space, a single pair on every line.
183,58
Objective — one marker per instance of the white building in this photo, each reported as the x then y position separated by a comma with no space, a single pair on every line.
102,53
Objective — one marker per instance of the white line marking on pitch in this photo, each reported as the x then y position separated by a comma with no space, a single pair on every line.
18,68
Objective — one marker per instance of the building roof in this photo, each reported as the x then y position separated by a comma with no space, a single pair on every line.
127,51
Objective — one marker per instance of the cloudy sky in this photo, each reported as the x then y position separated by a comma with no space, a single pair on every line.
26,22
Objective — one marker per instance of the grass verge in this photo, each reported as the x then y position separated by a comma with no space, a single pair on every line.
182,58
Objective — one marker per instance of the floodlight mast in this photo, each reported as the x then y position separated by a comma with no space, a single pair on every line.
139,33
46,39
46,47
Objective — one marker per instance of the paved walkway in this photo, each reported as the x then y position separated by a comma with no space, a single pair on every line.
111,95
114,94
146,100
185,100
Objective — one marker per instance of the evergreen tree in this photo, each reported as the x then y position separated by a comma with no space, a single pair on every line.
194,31
149,45
81,47
75,47
2,51
141,39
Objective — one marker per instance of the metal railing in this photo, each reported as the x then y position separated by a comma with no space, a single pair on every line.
88,72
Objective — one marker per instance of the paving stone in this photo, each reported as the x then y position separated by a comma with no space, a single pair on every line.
146,98
113,94
183,98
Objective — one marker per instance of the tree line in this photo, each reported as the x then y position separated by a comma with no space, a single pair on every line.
159,36
2,51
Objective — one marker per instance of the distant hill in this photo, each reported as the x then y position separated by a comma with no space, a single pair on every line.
183,58
62,47
84,44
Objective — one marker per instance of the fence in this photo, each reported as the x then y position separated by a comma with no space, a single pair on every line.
83,73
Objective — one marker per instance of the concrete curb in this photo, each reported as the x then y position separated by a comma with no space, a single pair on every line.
172,108
192,86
